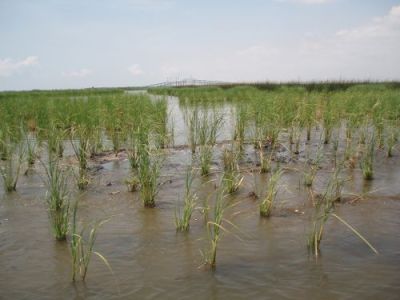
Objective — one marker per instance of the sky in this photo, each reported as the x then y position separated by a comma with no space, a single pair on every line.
97,43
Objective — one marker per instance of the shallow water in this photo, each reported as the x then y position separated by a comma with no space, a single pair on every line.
265,259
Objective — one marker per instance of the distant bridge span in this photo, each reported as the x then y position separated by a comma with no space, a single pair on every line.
187,82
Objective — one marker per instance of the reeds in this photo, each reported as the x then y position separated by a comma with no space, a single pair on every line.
312,166
240,126
182,218
323,210
205,158
148,174
31,150
391,140
5,143
192,123
136,138
81,145
55,140
10,169
57,198
367,161
82,246
232,177
215,228
268,199
207,131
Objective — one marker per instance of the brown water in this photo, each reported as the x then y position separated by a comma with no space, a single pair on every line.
151,261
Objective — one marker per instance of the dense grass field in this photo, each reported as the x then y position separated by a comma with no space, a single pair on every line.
304,149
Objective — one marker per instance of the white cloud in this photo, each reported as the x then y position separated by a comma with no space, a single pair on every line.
78,73
135,70
387,26
9,67
369,51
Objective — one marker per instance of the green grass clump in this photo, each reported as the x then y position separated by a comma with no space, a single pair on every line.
231,176
82,246
81,144
367,161
10,169
268,199
215,228
148,174
182,219
323,210
57,198
391,140
205,157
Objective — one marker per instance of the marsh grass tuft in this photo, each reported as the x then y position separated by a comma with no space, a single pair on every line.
323,210
10,169
82,246
57,198
231,176
31,149
268,199
391,140
312,166
81,147
367,161
148,174
182,219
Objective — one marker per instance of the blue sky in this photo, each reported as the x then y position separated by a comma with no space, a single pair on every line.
75,44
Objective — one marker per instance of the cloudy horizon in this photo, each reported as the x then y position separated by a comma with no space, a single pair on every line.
78,44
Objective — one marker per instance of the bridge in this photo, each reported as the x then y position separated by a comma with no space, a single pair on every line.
188,82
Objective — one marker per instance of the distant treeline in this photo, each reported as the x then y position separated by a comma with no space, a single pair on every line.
311,86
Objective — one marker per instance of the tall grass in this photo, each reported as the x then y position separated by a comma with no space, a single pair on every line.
391,139
82,246
57,198
265,160
207,137
31,149
5,143
191,118
80,142
55,139
205,158
240,126
232,177
148,174
10,169
268,199
367,161
323,210
215,227
182,218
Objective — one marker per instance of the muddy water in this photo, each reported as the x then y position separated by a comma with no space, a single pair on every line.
265,259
